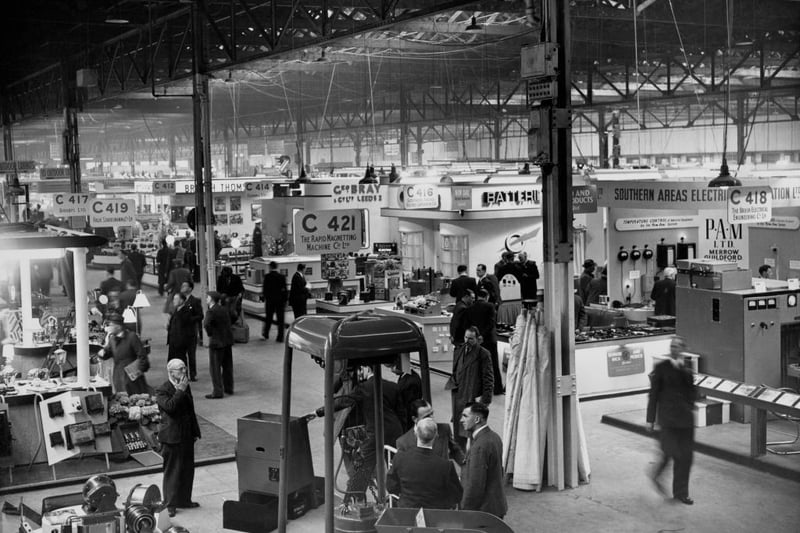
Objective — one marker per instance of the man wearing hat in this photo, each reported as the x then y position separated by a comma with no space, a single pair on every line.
125,348
217,324
586,277
177,432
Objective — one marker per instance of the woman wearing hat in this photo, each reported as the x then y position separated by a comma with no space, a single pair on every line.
125,348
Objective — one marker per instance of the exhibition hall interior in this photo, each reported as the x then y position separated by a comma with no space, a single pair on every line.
399,265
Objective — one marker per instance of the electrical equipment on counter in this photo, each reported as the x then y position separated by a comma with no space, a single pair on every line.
712,275
665,255
686,250
98,512
74,423
741,335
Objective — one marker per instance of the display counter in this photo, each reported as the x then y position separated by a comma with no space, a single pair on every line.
23,414
436,329
333,307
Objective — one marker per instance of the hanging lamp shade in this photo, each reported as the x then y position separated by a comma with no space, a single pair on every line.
369,176
140,300
724,179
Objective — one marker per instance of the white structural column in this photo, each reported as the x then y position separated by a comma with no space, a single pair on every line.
26,299
81,316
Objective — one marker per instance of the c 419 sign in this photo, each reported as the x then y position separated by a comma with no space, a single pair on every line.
749,204
323,232
112,212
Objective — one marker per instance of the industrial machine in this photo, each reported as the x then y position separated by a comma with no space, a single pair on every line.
742,335
711,274
94,510
360,339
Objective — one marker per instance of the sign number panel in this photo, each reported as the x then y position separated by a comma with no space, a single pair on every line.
320,232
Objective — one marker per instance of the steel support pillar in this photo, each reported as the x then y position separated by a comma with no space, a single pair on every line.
72,149
615,131
173,167
420,139
741,133
602,139
204,234
555,118
9,200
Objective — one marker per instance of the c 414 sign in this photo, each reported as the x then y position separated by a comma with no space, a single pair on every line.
747,205
328,231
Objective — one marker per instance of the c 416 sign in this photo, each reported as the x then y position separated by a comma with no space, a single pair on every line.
323,232
748,205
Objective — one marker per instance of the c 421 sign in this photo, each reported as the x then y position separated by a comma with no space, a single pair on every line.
749,205
328,231
112,212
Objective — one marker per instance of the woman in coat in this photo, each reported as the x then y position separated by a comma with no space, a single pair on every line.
124,347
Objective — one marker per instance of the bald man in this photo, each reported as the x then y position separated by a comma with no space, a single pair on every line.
177,432
422,478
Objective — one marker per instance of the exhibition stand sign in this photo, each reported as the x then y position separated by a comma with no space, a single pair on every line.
112,212
318,232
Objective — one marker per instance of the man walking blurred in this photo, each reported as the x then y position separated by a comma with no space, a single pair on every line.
672,397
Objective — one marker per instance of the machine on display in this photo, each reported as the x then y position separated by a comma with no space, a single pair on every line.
95,510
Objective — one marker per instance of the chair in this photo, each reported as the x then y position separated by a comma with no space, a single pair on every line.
389,453
788,418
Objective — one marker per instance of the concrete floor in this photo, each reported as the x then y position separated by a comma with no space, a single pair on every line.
728,497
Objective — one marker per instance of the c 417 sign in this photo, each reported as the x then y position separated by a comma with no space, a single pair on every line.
324,232
72,204
747,205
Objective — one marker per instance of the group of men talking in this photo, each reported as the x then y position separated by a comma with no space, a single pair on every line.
423,474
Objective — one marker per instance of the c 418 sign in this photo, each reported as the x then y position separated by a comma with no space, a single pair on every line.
328,231
748,205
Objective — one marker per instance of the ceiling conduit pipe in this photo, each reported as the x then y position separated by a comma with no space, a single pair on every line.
153,58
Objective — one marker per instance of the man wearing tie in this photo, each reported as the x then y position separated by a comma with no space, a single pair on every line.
482,474
177,433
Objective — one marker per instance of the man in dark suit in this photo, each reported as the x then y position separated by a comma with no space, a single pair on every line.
409,389
483,315
663,293
460,319
111,284
299,293
177,432
490,284
587,276
139,262
472,379
420,477
181,330
527,273
462,282
196,307
274,291
444,446
217,324
672,397
127,270
482,474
